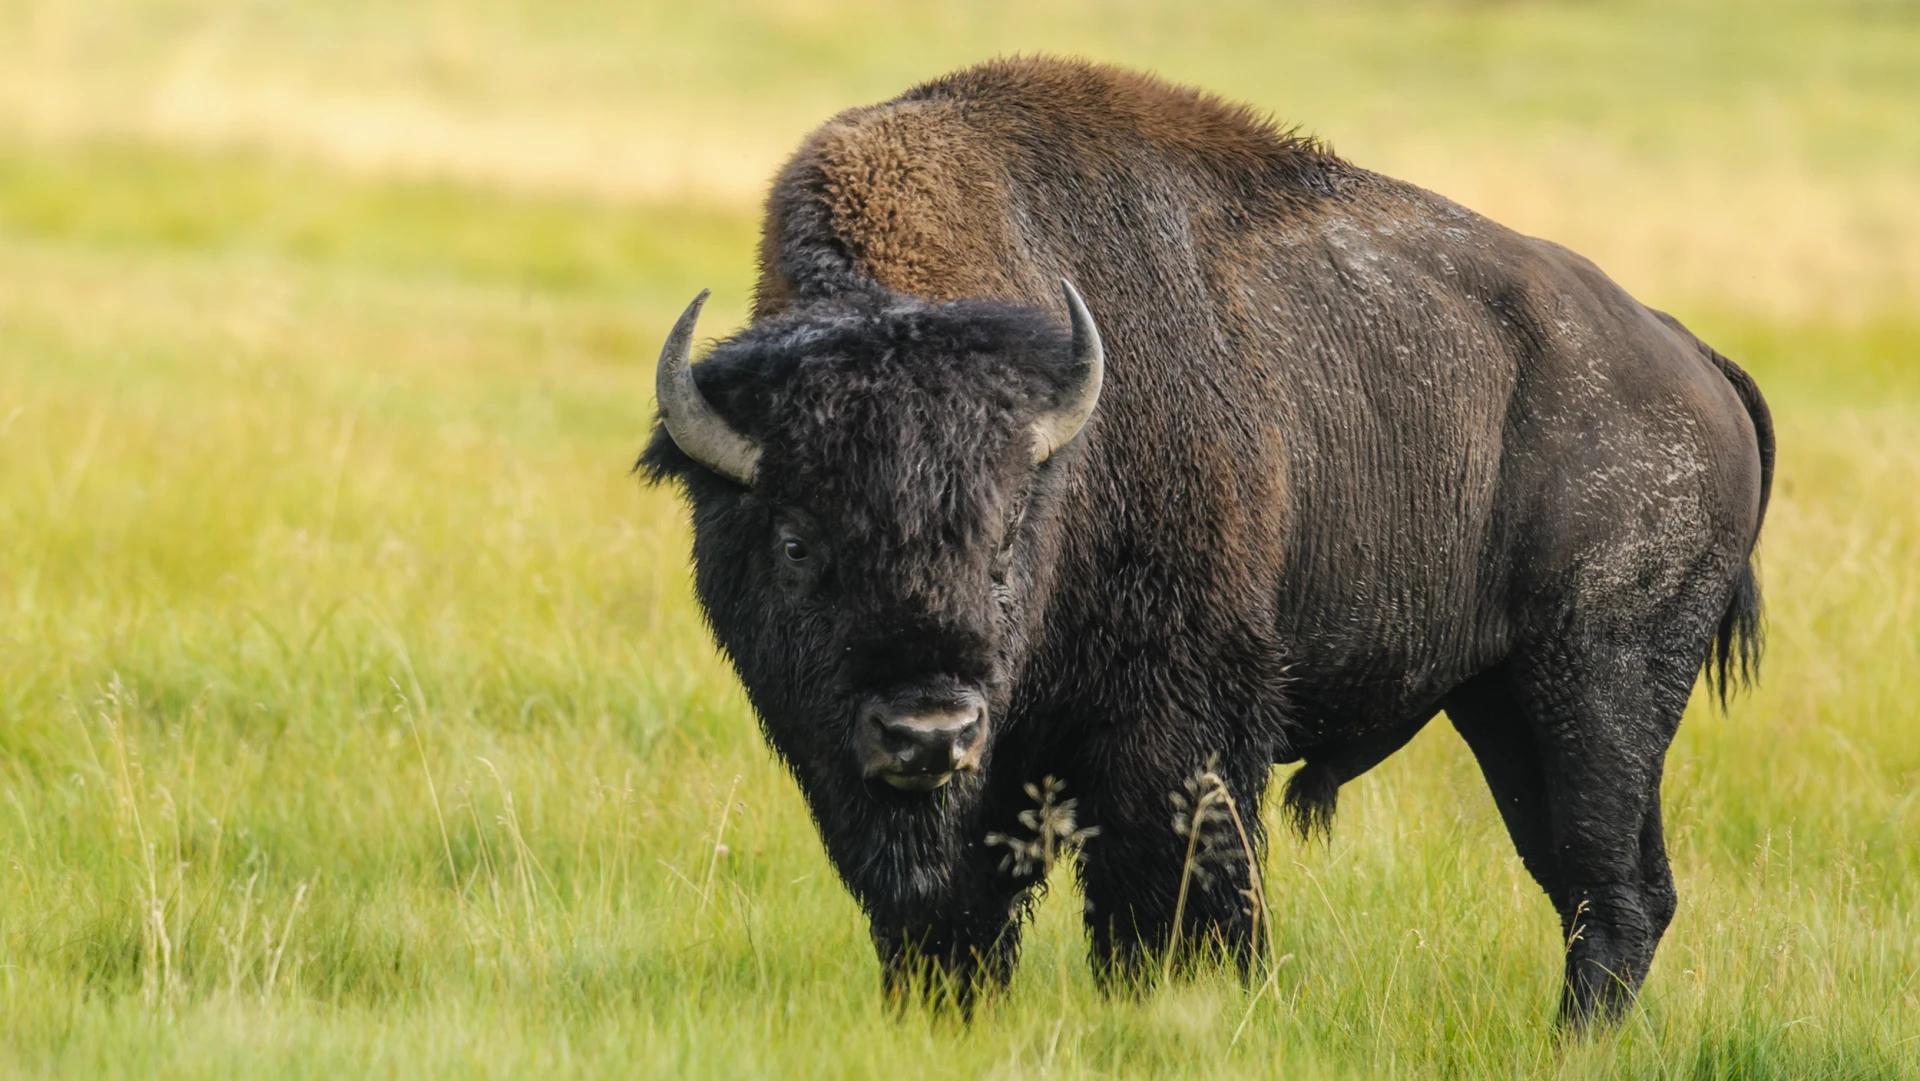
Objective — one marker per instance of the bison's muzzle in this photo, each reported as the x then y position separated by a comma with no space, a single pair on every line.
915,743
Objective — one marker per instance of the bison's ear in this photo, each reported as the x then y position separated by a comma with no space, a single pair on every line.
662,460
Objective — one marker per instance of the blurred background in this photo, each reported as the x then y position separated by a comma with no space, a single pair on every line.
353,709
1755,153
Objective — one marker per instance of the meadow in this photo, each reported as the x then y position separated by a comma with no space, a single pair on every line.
355,715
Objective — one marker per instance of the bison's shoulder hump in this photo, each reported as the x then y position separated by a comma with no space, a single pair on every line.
927,193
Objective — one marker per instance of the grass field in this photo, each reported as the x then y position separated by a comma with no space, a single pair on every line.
354,713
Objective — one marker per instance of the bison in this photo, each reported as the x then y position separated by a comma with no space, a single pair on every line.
1319,456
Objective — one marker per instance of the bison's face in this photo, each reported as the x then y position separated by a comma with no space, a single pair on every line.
872,487
898,634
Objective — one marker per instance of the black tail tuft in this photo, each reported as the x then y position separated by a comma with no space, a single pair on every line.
1733,661
1734,658
1311,795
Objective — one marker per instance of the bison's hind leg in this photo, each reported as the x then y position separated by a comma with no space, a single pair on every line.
1572,735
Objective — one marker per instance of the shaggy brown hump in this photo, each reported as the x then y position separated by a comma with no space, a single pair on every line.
929,193
1100,99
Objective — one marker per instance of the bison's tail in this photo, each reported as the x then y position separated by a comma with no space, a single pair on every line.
1733,660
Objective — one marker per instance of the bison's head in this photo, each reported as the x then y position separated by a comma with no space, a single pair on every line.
873,480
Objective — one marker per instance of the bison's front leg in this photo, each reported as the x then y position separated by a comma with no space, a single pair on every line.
949,953
1171,874
950,960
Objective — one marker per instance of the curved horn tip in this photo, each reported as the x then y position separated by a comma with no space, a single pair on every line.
699,301
680,338
1072,294
1082,322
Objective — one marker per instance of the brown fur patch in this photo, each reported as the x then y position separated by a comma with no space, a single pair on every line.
916,198
926,193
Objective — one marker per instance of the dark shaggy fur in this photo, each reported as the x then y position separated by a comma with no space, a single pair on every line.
1362,456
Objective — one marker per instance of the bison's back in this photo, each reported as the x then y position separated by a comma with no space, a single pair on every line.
1484,433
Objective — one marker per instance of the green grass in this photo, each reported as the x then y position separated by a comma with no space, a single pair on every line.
355,716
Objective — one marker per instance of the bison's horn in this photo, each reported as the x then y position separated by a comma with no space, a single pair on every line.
1056,428
701,433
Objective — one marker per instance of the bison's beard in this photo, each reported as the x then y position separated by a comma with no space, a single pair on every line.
900,855
907,858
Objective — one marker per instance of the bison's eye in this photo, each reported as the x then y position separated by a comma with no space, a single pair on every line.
795,549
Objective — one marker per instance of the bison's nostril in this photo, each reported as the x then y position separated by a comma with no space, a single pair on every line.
898,739
966,748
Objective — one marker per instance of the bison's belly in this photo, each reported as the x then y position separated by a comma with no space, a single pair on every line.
1361,664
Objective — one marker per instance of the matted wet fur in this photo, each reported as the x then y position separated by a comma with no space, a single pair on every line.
1361,455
